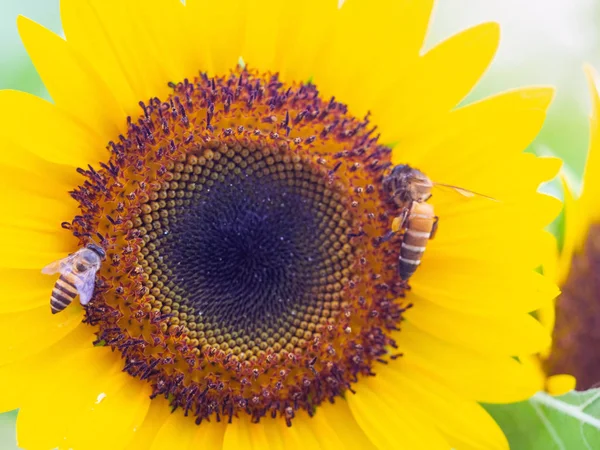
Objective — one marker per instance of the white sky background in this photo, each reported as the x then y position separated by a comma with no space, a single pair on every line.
543,41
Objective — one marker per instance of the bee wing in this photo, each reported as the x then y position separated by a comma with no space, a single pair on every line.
465,192
418,180
85,286
62,265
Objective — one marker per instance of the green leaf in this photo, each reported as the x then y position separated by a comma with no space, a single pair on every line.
568,422
8,439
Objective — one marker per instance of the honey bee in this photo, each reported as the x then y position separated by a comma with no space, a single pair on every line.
409,189
77,276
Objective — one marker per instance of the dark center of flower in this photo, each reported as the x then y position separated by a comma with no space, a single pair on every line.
250,247
246,271
576,336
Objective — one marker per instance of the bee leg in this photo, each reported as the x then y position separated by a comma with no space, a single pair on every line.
399,222
434,227
386,237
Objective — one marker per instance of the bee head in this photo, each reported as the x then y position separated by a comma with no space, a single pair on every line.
400,169
97,250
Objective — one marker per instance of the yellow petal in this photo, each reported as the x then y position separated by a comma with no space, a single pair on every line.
21,378
546,312
182,430
458,209
550,260
121,41
526,172
464,423
225,40
308,26
305,432
43,179
591,186
462,369
480,232
70,79
263,32
28,332
474,129
158,412
519,334
91,422
85,33
32,201
383,25
208,435
58,138
330,428
438,82
390,422
362,35
547,317
135,45
575,230
34,169
335,427
28,249
44,420
21,290
14,380
178,55
32,212
35,429
242,433
560,384
45,413
461,284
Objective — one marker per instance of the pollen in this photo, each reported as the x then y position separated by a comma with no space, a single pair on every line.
575,338
250,269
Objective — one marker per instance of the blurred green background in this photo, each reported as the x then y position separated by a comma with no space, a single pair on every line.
543,42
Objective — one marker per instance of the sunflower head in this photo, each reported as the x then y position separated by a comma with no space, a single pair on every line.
258,230
244,222
574,317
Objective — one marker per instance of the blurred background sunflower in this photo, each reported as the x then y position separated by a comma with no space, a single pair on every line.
574,263
544,42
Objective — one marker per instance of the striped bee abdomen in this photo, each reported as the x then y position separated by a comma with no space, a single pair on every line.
418,231
63,293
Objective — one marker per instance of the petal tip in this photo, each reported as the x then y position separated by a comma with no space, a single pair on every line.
590,71
561,384
553,165
593,81
24,21
491,29
544,93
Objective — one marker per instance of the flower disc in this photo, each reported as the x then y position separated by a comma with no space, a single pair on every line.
248,268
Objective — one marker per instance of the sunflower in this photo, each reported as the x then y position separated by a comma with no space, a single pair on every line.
230,163
575,315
